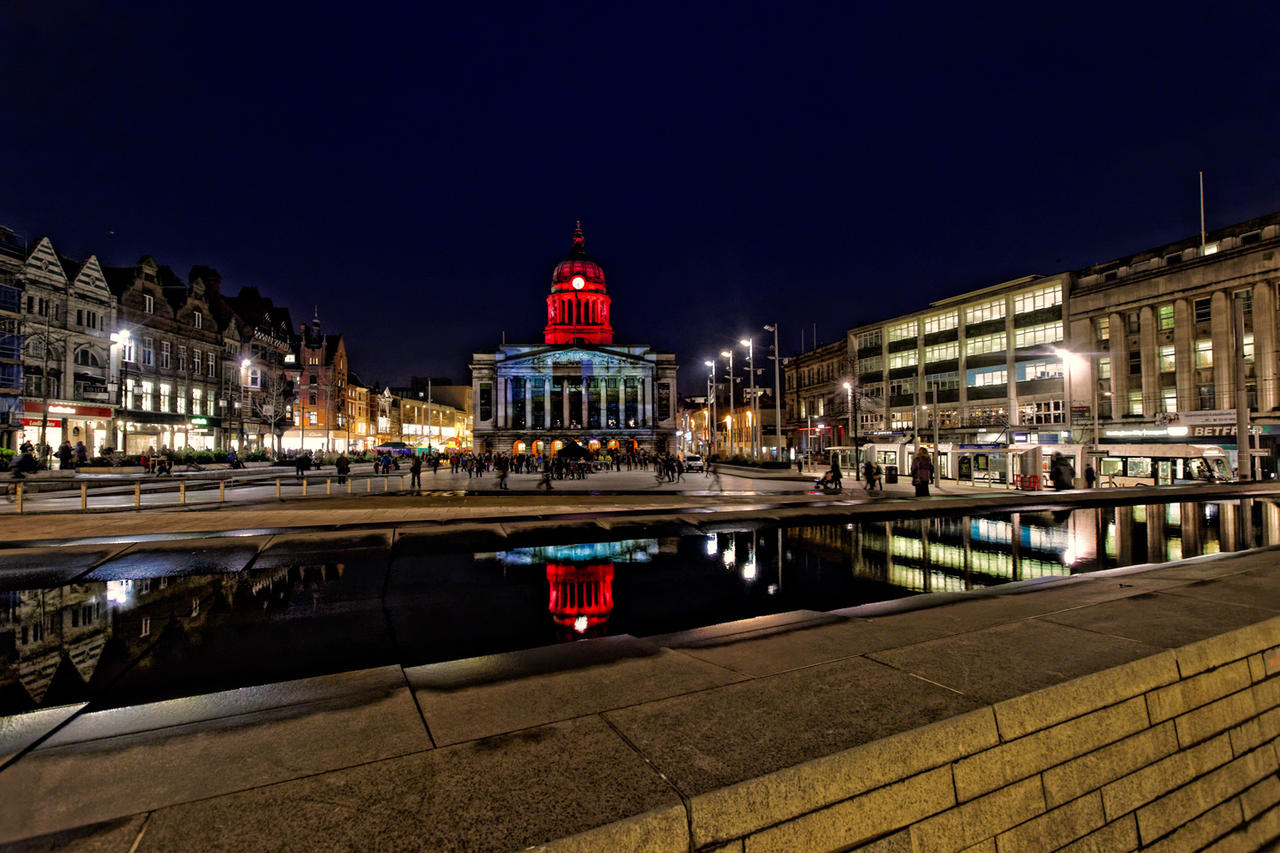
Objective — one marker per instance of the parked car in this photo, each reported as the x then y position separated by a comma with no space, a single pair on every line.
692,462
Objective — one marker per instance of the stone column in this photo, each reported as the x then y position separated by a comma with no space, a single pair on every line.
546,402
1119,367
1264,345
1150,365
1223,351
649,408
564,403
500,402
1184,355
586,393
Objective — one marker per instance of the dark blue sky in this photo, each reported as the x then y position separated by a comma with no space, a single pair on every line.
416,170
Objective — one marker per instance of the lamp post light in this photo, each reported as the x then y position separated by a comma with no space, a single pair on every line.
711,399
1068,359
729,355
777,393
121,338
848,390
755,414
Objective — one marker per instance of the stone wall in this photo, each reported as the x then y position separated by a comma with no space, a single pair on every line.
1172,752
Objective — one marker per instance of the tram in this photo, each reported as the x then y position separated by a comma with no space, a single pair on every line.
1160,464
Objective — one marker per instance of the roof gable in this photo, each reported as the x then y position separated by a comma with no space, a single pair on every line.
44,266
91,279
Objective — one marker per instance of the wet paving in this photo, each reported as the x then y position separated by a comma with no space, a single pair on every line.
166,623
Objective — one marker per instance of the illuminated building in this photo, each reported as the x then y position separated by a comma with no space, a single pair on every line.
578,384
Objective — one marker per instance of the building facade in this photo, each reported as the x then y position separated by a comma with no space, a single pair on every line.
319,377
814,401
578,385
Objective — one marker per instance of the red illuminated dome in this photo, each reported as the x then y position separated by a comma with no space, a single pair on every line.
578,307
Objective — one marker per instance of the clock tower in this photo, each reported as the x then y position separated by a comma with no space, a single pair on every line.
578,306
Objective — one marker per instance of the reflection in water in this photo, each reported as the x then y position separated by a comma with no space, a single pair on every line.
126,641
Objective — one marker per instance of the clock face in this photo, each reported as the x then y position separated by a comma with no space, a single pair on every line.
579,282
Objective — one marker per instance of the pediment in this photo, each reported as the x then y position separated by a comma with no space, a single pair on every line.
552,357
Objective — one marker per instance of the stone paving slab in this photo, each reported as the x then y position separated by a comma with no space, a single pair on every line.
1161,619
502,793
20,731
724,735
1008,660
467,713
100,769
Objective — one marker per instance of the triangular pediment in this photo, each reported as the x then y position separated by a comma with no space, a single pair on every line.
571,355
43,264
90,279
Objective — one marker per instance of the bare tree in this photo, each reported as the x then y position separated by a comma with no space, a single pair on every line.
271,402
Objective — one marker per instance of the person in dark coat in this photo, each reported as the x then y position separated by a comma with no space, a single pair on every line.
1090,476
922,472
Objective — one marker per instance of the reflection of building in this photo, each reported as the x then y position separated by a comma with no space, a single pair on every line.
581,596
578,384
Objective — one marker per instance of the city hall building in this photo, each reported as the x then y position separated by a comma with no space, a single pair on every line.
577,385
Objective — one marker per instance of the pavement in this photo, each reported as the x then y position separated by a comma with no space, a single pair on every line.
619,736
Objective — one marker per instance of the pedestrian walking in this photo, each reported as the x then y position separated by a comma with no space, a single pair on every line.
922,472
65,455
1090,476
343,467
415,474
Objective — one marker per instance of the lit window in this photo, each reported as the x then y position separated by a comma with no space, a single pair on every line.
902,331
148,352
942,352
1204,352
199,320
165,399
1166,317
941,322
1104,328
1169,397
985,344
147,400
1210,249
197,395
988,376
148,304
1104,367
1030,371
182,399
875,364
993,310
1247,346
903,359
1167,360
1036,300
1135,402
1046,333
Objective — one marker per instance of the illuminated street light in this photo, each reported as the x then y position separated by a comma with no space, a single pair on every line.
751,363
1068,359
729,355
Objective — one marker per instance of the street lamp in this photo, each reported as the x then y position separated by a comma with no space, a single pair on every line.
728,353
121,338
755,416
848,390
711,397
1068,358
777,393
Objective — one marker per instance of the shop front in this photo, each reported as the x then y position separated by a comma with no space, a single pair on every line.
66,421
158,431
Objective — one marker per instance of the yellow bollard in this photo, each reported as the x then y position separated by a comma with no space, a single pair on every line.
368,484
402,482
137,496
328,486
84,495
348,485
277,488
222,490
19,495
386,485
182,492
304,487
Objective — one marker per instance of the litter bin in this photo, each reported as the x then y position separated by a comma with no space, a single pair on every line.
890,474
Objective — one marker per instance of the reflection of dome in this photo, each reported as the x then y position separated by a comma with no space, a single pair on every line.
581,596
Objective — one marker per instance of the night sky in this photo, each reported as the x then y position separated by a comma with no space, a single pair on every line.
416,170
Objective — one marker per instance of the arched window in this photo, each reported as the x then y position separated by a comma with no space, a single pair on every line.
85,358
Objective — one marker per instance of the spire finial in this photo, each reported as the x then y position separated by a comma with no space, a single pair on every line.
578,243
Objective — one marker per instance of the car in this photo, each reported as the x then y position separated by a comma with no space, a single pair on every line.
692,462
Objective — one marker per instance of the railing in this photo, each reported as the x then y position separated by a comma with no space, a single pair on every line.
77,493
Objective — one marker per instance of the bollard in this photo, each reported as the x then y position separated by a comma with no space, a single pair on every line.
402,482
304,487
182,492
368,484
277,488
386,484
19,497
348,485
328,486
222,490
137,496
84,495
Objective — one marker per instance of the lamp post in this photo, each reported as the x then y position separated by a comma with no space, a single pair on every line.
729,355
777,394
1068,358
711,400
848,390
750,344
121,338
